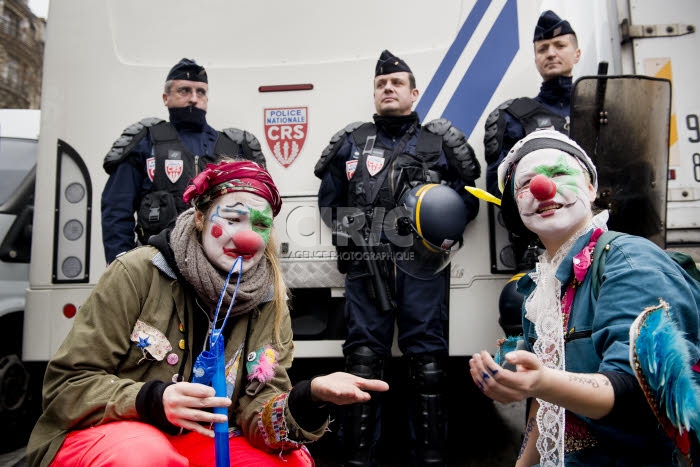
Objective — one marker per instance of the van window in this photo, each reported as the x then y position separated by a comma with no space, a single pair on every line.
17,157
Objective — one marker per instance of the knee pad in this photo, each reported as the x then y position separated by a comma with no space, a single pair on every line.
426,373
363,362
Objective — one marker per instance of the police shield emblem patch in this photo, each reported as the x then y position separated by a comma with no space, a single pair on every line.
285,132
151,167
173,169
374,165
350,167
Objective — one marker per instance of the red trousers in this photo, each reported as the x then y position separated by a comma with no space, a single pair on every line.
135,444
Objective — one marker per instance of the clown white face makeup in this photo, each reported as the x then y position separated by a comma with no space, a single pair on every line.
236,224
557,214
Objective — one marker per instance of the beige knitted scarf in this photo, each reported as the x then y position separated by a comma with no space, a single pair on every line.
208,281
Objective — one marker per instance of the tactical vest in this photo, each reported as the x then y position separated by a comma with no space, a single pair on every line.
533,115
171,168
380,177
174,165
529,113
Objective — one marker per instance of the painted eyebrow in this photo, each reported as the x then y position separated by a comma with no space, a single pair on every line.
238,207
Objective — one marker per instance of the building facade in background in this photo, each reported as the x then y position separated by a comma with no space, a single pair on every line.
21,55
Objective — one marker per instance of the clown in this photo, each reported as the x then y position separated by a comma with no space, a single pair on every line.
586,405
123,389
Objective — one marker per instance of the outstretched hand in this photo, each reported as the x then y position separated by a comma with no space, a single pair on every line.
344,388
186,405
503,385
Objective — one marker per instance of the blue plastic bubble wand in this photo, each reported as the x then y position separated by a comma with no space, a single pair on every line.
219,378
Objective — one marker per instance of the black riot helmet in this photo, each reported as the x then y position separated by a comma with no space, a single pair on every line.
435,216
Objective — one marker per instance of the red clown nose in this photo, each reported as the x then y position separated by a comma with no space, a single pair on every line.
248,241
542,187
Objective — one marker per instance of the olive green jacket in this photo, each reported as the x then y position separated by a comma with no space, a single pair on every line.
97,372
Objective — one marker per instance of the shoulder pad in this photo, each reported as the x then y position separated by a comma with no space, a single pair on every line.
151,121
493,132
242,137
333,147
522,107
130,137
349,129
459,153
438,126
492,118
248,142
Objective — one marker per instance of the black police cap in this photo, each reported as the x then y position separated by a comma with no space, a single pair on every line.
550,26
389,63
188,70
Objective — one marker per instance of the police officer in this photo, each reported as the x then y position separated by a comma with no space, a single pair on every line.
152,162
372,166
556,53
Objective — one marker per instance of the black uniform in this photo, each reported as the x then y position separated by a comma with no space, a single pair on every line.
372,165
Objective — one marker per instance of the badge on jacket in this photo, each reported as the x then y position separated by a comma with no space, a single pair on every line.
374,164
151,340
174,168
261,364
350,167
151,167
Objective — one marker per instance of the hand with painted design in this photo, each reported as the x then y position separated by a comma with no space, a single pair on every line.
186,405
503,385
579,362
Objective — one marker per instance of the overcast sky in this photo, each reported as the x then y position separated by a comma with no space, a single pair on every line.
39,7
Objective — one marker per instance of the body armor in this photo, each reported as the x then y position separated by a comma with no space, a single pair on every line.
172,166
529,113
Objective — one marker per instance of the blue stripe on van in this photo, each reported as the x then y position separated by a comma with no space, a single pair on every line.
453,53
485,72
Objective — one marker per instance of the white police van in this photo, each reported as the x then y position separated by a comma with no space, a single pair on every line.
19,132
294,73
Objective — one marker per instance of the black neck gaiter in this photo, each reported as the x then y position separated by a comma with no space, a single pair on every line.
395,125
190,118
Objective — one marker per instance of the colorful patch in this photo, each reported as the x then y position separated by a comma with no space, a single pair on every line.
273,424
232,368
261,364
151,340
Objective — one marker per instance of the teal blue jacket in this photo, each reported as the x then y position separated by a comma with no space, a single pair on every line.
637,274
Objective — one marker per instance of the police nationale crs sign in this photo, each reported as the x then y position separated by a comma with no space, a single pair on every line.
285,131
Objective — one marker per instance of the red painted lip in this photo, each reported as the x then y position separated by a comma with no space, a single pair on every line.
234,253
